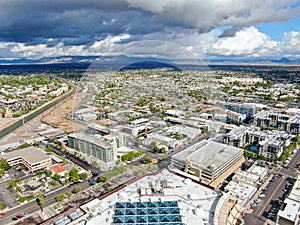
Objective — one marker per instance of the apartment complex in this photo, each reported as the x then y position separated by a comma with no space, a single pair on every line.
270,144
247,109
210,161
32,158
270,119
101,148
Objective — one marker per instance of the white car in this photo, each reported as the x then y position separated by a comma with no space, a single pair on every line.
261,195
257,200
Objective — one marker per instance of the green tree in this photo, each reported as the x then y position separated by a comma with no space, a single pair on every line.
25,145
56,177
1,172
49,149
52,138
73,175
3,164
153,146
1,205
69,194
18,189
12,184
22,167
40,200
76,190
48,173
102,179
39,173
21,199
60,197
147,160
83,176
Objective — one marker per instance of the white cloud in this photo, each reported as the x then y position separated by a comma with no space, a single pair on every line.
246,42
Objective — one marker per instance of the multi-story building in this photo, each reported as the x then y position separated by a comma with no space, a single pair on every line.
245,108
32,158
102,148
270,144
244,184
210,161
270,119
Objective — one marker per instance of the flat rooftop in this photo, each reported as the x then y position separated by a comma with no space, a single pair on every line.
95,139
208,153
242,191
196,204
31,154
291,210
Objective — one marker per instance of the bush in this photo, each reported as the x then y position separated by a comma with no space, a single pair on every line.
21,199
60,197
102,179
76,190
1,205
147,160
287,152
131,155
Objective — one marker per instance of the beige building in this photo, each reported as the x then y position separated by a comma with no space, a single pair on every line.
32,158
210,161
228,210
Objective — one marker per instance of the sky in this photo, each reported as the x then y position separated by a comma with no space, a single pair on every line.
158,28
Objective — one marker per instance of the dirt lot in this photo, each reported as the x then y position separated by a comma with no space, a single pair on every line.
58,116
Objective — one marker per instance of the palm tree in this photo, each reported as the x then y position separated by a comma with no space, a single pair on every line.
40,200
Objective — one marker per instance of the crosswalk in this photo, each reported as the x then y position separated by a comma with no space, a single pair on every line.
287,172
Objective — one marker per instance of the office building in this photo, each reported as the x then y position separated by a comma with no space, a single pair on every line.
210,161
32,158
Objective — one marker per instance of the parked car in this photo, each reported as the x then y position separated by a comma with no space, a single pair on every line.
2,214
261,195
92,181
23,214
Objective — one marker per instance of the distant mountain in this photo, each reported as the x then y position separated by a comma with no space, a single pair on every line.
123,60
150,65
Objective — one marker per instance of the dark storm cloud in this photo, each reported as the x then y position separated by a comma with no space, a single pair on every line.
26,21
230,32
71,20
34,28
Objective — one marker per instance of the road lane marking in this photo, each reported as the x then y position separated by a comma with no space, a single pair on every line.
270,198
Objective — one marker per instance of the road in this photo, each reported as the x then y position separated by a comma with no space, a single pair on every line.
48,107
275,191
31,207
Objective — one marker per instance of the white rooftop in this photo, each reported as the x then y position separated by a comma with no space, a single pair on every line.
196,203
243,192
258,170
207,153
295,192
291,210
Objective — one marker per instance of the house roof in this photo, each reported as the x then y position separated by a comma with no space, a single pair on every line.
58,168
